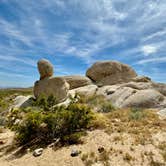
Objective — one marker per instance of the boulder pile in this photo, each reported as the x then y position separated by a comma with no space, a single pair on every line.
117,82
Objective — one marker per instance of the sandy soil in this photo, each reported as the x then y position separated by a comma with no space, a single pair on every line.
116,148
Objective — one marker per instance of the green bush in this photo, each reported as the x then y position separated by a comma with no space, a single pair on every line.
40,126
29,128
46,103
136,114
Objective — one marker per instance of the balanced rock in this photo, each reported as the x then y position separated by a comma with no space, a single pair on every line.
76,81
45,68
55,86
110,72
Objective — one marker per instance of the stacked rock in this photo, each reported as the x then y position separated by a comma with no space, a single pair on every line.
45,69
49,85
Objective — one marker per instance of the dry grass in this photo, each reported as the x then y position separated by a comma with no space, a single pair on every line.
140,127
162,147
91,158
127,157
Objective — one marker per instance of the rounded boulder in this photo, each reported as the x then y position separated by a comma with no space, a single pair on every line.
55,86
110,72
45,69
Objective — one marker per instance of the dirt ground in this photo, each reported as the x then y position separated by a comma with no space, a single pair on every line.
119,149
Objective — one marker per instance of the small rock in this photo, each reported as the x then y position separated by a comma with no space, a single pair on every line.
51,145
28,150
162,113
75,153
2,142
101,149
17,121
38,152
55,143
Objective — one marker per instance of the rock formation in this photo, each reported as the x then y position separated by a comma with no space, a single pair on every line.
48,85
118,82
76,81
45,69
55,86
110,72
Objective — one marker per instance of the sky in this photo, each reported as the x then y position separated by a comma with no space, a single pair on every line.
73,34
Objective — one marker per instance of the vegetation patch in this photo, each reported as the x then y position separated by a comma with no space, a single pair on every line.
42,123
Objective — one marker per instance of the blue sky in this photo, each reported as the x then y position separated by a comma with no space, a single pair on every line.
73,34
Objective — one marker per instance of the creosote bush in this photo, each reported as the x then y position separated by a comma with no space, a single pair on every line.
45,123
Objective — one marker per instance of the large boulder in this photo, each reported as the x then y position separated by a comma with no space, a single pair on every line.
110,72
161,87
120,95
45,69
56,86
148,98
76,81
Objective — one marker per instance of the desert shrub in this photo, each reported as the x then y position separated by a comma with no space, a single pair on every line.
29,128
46,103
97,101
65,124
107,107
136,114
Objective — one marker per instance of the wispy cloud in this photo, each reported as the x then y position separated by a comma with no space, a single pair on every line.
152,60
83,30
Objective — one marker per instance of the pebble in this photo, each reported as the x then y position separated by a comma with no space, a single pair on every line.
38,152
75,153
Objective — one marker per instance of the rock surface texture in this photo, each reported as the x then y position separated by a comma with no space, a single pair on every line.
110,72
56,86
88,90
22,101
45,69
144,98
76,81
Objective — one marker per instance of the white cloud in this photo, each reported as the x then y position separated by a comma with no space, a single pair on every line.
152,60
149,49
